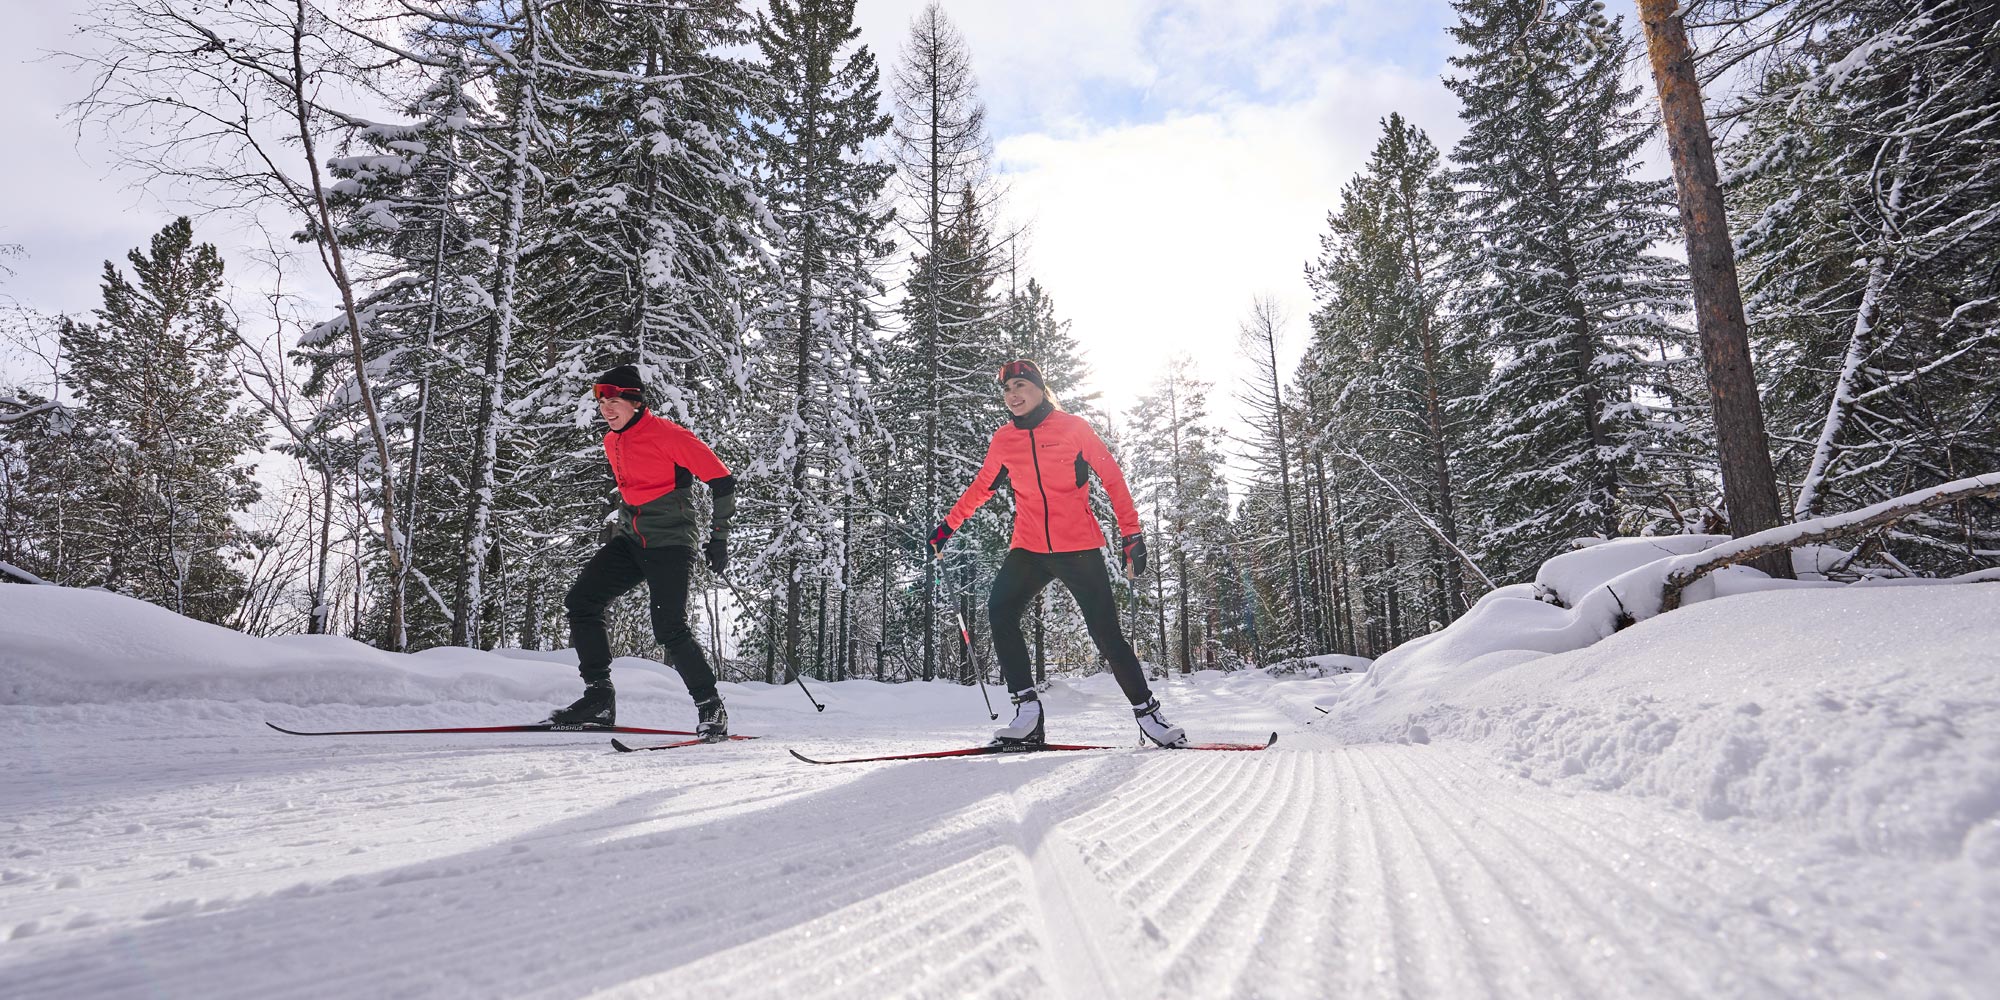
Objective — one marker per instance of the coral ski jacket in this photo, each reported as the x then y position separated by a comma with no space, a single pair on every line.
1047,457
654,461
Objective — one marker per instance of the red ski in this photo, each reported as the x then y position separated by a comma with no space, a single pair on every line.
538,727
622,748
997,748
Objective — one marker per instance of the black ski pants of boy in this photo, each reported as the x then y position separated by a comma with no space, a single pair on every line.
1022,575
616,569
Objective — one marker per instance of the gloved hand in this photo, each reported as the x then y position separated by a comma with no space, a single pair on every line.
717,553
1132,555
940,535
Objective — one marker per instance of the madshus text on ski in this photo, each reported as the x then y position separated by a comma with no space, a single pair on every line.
1044,455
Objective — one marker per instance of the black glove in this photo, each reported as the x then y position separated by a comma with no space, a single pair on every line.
717,553
1133,554
940,535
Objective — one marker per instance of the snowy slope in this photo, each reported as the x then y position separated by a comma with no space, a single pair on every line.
1612,821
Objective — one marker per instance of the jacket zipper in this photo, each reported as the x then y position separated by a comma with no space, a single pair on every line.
619,444
1034,455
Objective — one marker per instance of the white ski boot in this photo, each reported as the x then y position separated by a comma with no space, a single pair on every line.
1026,729
1156,727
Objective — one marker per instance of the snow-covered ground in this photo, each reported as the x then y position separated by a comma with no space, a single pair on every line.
1776,794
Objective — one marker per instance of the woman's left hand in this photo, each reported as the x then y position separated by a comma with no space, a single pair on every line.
1132,555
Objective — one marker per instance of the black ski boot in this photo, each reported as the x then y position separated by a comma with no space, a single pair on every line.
597,707
712,725
1026,729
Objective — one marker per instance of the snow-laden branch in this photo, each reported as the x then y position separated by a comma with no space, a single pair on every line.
13,410
1685,570
1422,518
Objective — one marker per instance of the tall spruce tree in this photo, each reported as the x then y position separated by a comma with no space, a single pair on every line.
1565,289
945,352
820,113
1175,468
153,377
1403,376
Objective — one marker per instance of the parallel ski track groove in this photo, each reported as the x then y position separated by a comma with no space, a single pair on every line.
1413,878
965,910
1248,900
1524,957
1370,931
1726,971
1299,948
1234,819
1640,929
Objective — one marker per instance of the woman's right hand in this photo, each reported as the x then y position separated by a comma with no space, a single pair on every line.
940,535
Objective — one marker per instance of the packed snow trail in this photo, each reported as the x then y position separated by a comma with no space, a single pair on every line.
258,865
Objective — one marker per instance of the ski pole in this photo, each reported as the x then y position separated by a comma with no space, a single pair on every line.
797,674
965,636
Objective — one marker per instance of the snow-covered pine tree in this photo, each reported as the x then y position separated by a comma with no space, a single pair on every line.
1263,396
1865,190
943,358
1175,467
410,198
1564,287
819,113
1334,501
153,379
1403,376
651,249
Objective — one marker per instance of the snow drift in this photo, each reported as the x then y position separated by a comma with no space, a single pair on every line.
1868,717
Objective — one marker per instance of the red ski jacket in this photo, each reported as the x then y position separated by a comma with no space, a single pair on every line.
1048,459
654,460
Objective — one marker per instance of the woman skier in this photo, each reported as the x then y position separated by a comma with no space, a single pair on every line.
655,461
1047,456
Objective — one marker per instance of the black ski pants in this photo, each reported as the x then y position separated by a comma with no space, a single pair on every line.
1022,575
616,569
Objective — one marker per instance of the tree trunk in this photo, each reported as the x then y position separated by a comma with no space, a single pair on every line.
475,540
336,267
1749,486
1451,597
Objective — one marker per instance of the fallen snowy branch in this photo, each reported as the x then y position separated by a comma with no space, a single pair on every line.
1422,519
9,571
13,410
1685,570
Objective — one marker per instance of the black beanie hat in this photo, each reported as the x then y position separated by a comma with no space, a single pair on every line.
1023,368
625,377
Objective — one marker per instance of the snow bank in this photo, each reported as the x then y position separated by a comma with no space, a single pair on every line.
1869,717
61,646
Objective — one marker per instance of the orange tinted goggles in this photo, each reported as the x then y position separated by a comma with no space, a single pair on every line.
1019,369
605,390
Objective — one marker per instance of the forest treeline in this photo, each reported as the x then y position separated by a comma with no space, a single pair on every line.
801,249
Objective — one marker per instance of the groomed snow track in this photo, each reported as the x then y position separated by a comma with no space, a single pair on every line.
261,868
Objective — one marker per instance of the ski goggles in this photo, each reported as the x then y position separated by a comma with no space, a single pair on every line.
605,390
1021,369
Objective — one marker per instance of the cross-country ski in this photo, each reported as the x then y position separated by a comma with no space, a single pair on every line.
537,727
621,747
997,749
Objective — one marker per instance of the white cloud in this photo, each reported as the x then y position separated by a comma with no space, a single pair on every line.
1174,159
1154,238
